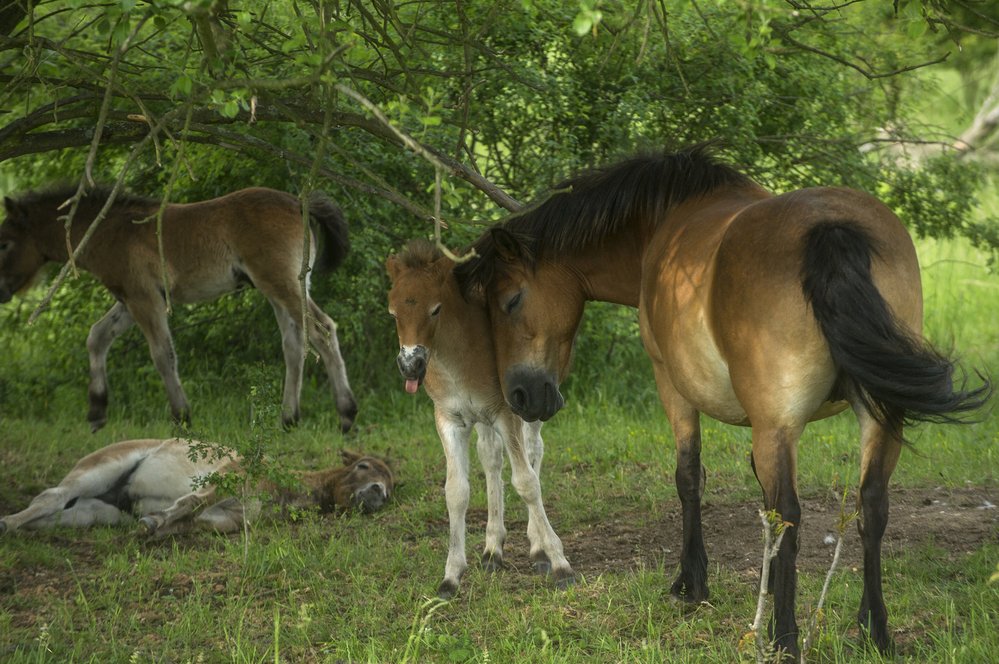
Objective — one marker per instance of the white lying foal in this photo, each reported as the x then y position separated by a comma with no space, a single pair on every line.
161,482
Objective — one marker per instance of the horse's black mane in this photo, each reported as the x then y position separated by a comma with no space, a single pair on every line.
590,206
58,193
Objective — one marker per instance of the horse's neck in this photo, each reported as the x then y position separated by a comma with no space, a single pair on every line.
611,272
50,231
318,487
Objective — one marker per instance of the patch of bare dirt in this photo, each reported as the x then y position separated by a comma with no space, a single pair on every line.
957,520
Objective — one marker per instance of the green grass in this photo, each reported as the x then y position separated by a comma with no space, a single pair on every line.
358,589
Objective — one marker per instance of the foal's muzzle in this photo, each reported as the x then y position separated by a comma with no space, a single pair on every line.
533,394
370,497
412,363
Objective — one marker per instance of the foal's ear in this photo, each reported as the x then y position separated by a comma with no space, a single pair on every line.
350,456
12,207
392,266
508,247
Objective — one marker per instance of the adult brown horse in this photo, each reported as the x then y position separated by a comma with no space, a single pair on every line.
253,237
757,310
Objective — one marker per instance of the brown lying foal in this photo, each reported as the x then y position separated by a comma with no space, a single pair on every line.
252,237
156,480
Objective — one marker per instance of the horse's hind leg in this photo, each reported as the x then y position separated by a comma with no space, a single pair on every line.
44,505
775,465
879,454
490,449
151,317
290,322
322,335
165,521
103,333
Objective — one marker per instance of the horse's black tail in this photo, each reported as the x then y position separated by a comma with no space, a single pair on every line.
899,377
330,221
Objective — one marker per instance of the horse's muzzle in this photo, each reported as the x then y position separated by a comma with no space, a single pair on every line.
532,394
370,497
412,362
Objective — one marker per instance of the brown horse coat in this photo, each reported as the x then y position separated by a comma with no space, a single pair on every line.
253,237
759,310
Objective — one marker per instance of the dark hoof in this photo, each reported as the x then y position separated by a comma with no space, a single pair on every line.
541,563
148,525
565,579
492,562
3,527
347,417
98,424
687,592
447,589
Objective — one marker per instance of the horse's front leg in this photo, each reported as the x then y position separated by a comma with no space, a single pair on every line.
775,465
454,434
165,522
322,335
546,547
103,333
691,585
879,454
43,506
151,317
490,449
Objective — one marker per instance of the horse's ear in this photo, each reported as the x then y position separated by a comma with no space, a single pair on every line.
508,247
392,266
13,208
350,456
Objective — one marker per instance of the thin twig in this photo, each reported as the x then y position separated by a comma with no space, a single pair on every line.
770,549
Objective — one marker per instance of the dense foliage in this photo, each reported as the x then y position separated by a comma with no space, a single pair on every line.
188,99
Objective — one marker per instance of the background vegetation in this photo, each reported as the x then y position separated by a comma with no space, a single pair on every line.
189,99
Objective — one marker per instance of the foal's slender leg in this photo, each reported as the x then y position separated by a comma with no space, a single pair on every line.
879,454
490,449
103,333
322,335
163,522
454,434
151,317
289,321
775,454
546,547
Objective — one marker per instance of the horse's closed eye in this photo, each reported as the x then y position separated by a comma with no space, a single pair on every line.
363,465
513,302
435,311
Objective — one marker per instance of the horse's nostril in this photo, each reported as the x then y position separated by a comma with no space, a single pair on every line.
518,398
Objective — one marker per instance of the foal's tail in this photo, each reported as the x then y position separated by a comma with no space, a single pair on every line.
899,377
330,221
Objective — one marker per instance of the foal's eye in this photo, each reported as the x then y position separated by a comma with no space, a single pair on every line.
435,311
513,302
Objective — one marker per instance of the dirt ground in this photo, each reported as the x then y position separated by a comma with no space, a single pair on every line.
957,520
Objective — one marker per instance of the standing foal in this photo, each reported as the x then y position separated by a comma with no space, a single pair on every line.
445,343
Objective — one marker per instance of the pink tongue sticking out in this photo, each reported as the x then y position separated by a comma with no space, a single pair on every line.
412,385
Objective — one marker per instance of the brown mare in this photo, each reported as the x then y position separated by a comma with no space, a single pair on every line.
445,344
158,480
251,237
757,310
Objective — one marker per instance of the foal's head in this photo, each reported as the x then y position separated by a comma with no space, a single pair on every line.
418,274
20,258
364,483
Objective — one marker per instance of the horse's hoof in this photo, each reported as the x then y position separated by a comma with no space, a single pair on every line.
680,592
447,589
148,525
565,579
492,562
97,425
542,565
3,527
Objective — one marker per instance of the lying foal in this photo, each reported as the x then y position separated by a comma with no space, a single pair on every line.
163,482
445,343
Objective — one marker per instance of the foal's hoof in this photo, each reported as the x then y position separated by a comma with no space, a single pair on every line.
564,579
149,525
542,565
447,589
492,562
